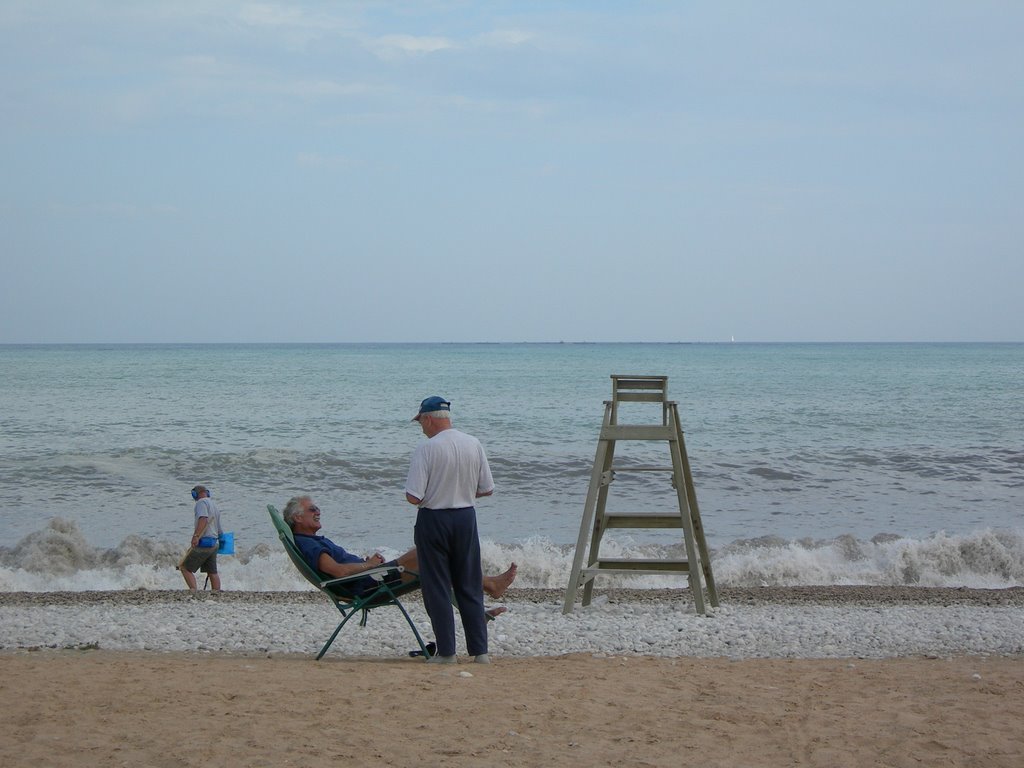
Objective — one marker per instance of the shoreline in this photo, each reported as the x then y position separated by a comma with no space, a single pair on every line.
728,596
760,623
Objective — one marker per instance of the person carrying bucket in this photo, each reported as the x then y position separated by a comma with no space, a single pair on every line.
202,552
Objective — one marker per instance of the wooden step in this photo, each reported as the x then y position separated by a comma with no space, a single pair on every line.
641,468
638,432
623,381
638,567
640,397
643,520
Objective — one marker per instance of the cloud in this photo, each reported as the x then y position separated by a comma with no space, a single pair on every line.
396,46
290,17
504,38
270,15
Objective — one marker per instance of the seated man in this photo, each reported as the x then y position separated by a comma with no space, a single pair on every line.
322,554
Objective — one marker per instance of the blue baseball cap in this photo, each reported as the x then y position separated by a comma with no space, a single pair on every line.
431,404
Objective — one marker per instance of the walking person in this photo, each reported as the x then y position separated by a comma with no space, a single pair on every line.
448,472
202,552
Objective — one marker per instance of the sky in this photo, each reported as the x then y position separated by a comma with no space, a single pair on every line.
511,171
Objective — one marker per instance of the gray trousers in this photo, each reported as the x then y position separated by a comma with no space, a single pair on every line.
448,548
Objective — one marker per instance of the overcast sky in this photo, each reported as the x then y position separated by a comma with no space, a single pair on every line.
511,171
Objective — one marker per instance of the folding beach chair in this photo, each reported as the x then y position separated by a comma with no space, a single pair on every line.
344,599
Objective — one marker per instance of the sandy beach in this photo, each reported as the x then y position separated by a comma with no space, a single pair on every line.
147,702
89,708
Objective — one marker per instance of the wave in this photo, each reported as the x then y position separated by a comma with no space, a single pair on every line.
534,466
58,558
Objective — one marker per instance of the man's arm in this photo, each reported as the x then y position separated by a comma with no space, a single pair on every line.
330,566
485,482
201,524
416,480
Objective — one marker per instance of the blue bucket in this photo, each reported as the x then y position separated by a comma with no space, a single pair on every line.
227,543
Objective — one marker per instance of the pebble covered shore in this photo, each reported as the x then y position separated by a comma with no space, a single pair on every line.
727,596
796,622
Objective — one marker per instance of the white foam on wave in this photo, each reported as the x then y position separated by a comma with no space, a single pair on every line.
58,558
984,559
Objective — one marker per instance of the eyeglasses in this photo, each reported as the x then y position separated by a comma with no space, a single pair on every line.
312,508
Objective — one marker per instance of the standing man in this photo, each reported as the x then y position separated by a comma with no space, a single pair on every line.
202,554
447,474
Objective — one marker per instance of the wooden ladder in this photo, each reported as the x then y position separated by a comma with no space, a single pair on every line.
596,520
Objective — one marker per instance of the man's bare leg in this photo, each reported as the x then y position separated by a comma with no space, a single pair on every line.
410,562
190,578
495,586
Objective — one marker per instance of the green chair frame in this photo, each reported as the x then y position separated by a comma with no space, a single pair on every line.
347,602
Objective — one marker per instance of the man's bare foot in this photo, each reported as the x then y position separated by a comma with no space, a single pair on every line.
495,586
496,612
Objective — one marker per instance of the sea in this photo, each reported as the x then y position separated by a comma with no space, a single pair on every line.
813,464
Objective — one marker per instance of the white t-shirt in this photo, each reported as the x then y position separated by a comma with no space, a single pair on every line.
206,508
448,471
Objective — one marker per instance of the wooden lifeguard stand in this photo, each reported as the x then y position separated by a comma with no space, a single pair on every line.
596,520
